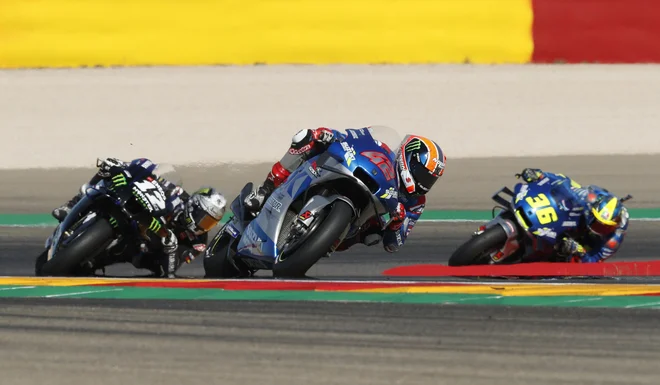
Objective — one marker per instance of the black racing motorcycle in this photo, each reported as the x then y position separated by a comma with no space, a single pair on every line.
112,223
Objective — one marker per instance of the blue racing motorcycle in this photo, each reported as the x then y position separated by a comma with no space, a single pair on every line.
533,219
322,203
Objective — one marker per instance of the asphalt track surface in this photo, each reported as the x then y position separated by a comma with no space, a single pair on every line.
61,341
174,342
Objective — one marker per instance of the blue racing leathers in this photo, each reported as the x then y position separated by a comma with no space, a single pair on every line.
590,247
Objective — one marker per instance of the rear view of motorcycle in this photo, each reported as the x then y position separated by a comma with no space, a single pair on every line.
109,224
531,220
329,197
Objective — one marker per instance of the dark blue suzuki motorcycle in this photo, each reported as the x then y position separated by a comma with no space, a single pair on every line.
533,218
327,198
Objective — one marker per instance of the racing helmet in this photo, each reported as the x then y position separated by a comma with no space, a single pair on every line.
420,162
604,216
204,210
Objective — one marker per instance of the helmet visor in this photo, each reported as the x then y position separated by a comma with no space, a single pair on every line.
601,228
424,180
204,221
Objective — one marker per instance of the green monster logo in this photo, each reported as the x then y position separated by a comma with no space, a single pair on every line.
119,180
415,144
155,225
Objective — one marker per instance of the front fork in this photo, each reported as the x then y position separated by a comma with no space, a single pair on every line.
512,243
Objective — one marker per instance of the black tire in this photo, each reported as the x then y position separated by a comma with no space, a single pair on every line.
217,264
317,244
88,245
472,252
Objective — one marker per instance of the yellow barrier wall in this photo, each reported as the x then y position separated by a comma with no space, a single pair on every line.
69,33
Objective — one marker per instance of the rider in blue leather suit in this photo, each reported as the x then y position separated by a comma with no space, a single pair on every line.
603,223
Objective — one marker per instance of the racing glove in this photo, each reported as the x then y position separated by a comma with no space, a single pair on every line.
106,165
323,135
570,249
397,217
530,175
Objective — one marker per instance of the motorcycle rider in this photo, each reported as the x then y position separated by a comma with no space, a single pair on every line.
188,218
420,163
603,223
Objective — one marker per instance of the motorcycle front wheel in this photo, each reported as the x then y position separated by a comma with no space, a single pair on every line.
67,261
476,251
316,244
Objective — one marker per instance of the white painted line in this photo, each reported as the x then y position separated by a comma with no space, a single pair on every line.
584,300
657,303
476,299
17,288
81,292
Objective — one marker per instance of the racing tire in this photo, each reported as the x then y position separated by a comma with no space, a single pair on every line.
217,263
316,244
68,259
472,252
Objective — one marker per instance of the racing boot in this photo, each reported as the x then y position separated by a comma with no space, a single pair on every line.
255,201
61,212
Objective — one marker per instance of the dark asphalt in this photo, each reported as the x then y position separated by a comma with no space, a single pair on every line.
76,342
429,243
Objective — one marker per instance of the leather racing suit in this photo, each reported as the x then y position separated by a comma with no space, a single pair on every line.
588,247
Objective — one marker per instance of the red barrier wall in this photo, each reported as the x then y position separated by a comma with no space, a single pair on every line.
604,31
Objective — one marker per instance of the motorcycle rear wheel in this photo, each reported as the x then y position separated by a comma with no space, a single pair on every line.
217,263
476,250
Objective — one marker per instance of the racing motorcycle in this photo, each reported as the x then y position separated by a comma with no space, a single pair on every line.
323,202
110,224
532,220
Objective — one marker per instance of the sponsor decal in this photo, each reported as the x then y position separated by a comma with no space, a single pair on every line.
522,193
497,256
569,223
354,134
349,154
232,230
306,215
543,181
275,204
313,168
301,150
391,193
200,247
563,207
545,232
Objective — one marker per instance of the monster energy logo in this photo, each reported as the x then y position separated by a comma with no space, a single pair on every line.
119,180
138,196
155,225
414,145
113,222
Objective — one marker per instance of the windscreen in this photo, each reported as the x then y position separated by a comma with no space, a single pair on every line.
168,172
387,135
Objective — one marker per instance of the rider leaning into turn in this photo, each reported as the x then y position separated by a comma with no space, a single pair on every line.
420,162
603,223
188,219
